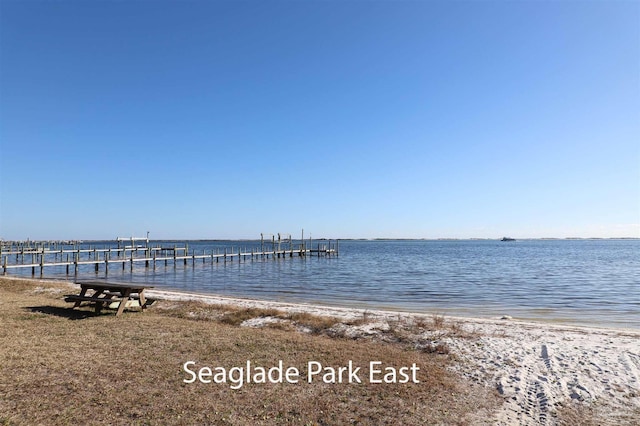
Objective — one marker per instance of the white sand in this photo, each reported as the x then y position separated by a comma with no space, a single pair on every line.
537,367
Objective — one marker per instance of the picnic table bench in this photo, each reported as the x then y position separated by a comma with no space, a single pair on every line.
104,295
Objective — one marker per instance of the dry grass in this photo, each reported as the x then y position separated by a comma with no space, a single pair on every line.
438,321
234,315
64,366
438,348
314,323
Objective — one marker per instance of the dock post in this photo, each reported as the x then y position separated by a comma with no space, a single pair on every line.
4,266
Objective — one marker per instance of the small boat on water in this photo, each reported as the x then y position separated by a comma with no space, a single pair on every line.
507,239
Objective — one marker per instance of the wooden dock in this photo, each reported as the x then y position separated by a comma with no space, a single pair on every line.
41,257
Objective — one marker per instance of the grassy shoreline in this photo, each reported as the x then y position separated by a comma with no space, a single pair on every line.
66,366
63,366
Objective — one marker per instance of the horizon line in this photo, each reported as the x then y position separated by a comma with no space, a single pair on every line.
328,238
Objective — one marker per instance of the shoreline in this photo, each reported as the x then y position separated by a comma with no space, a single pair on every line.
536,367
351,313
525,315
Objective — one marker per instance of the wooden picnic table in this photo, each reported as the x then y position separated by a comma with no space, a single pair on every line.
103,294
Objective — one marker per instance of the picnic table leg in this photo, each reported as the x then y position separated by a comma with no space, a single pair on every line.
123,301
142,300
82,294
98,293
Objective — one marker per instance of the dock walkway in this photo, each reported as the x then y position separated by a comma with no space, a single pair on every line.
44,257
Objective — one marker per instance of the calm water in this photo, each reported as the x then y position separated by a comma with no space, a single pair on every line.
595,282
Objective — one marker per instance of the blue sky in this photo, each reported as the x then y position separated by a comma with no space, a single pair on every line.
350,119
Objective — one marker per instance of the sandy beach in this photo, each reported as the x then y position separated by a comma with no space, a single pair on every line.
538,368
